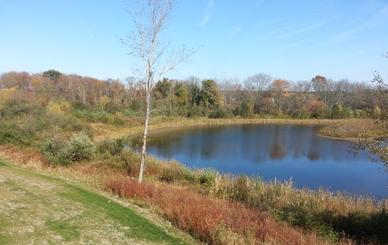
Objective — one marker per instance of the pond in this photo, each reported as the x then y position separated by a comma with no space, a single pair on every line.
281,152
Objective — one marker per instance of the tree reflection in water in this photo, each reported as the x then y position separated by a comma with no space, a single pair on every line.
274,151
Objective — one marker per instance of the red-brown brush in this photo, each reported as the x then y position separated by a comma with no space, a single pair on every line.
203,215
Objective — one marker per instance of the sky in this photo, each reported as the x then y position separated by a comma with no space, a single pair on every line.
288,39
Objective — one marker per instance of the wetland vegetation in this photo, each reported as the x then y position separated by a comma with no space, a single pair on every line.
152,159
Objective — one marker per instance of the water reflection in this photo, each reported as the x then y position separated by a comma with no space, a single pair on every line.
281,151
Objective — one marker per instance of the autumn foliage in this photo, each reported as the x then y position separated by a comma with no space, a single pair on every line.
95,100
211,220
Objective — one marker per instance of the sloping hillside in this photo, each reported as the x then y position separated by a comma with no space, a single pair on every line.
37,209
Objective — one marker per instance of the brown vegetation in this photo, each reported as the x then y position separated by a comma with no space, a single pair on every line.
212,220
354,129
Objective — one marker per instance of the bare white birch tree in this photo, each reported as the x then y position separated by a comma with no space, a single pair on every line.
149,20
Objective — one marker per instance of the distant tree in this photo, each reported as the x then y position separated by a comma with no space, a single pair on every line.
337,111
232,91
316,108
194,90
258,82
297,103
21,80
5,95
210,94
164,87
280,89
195,94
181,94
103,101
320,85
52,74
164,97
245,109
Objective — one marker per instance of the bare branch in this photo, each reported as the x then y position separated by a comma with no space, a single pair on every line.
149,19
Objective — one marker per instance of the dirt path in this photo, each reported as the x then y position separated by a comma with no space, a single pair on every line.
38,209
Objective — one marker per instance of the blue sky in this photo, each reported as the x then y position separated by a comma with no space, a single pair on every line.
290,39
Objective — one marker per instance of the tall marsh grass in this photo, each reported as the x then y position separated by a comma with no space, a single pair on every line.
210,219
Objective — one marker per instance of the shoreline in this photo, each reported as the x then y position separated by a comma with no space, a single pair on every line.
182,123
347,139
160,124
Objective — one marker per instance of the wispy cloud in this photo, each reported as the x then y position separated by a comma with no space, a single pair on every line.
357,27
286,28
270,22
205,19
348,32
306,29
351,22
210,4
236,30
88,31
208,12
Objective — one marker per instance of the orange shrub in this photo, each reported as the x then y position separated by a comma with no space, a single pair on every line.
207,218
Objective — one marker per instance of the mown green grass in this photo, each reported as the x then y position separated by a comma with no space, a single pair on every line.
140,228
4,239
66,230
93,208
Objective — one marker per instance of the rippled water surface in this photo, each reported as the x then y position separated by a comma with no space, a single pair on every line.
275,151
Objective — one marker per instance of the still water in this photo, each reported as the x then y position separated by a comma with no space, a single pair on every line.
283,152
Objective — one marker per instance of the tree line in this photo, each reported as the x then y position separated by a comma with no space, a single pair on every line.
257,95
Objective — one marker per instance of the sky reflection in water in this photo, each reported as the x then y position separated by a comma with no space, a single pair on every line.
275,151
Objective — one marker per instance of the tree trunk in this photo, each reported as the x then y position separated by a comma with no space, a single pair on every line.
144,148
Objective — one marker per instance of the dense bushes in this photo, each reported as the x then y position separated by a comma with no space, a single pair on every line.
245,109
16,108
196,111
100,116
20,122
15,133
175,173
111,146
25,122
338,111
63,152
221,113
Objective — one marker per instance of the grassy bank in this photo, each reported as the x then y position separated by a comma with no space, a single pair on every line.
36,208
353,129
